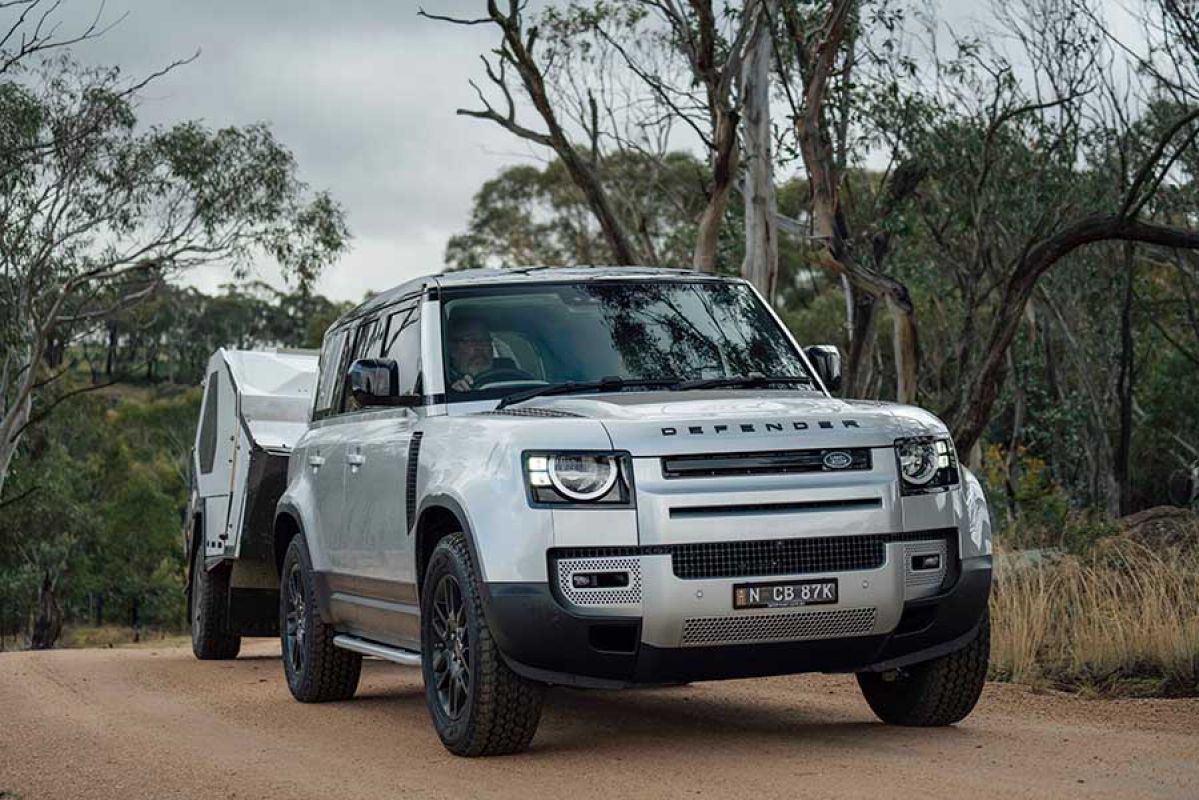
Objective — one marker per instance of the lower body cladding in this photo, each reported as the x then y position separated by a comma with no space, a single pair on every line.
642,615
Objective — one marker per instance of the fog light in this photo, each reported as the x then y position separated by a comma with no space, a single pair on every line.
932,561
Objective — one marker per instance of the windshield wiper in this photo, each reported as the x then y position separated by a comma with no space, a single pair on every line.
611,384
751,381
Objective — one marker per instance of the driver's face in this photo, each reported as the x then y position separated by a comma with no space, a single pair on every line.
470,349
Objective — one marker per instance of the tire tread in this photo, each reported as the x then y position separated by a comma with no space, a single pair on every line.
211,642
936,693
331,673
507,707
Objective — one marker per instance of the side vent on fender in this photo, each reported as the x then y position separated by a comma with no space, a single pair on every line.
410,482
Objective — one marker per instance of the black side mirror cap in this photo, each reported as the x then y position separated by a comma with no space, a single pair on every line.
375,382
826,360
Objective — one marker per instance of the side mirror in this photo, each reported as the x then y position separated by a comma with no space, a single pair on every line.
826,360
375,382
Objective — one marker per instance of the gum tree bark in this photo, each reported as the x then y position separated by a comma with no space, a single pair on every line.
761,263
829,219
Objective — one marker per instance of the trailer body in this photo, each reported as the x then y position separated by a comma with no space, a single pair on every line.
256,405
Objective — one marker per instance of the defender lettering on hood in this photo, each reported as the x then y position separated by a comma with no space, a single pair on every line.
755,427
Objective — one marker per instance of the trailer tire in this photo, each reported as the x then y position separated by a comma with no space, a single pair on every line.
209,611
932,693
480,707
317,670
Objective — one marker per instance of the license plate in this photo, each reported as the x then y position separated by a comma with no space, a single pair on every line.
785,595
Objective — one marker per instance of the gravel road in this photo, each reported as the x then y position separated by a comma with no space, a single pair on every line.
155,723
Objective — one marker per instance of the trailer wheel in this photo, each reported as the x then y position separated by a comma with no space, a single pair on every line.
209,611
479,706
933,693
317,670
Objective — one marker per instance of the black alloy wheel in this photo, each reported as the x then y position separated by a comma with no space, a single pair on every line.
479,706
316,669
451,647
295,619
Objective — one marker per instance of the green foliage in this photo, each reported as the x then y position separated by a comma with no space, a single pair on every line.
97,494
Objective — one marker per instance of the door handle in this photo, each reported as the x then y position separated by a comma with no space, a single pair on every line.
316,461
355,459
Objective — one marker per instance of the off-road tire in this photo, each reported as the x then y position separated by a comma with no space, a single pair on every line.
208,608
324,672
932,693
502,708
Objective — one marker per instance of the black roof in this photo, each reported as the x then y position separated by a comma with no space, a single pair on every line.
516,275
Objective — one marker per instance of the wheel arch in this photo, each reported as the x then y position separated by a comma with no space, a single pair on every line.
438,516
287,526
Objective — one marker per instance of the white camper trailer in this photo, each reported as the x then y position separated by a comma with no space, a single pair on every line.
256,405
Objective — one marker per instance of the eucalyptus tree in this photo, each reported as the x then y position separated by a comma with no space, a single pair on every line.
97,212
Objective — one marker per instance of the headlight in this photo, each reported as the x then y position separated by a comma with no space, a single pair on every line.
926,464
576,478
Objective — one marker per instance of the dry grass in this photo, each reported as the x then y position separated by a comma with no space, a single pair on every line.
115,636
1123,619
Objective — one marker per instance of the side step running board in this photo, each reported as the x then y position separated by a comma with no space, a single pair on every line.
400,656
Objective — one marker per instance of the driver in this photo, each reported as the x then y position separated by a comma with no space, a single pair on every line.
471,351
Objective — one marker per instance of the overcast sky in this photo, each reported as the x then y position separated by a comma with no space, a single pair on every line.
362,91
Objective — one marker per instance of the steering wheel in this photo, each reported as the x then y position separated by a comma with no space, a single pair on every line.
498,374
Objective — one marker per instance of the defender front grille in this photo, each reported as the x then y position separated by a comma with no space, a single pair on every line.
779,627
773,462
779,557
766,557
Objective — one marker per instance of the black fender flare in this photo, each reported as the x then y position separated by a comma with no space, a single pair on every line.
447,503
289,510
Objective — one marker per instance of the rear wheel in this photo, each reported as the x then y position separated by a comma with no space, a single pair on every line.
209,612
933,693
479,706
317,670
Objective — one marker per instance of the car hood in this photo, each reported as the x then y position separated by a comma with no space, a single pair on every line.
665,423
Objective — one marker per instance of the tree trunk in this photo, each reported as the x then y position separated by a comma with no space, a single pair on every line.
10,437
725,160
1124,387
862,338
48,625
111,357
761,263
907,347
1012,460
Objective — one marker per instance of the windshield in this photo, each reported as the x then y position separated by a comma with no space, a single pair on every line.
500,339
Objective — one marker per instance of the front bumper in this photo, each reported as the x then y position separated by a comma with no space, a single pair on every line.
658,638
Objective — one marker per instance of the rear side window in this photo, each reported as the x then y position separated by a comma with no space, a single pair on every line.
208,424
403,346
330,369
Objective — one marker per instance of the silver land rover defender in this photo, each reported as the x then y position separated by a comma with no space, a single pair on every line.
606,477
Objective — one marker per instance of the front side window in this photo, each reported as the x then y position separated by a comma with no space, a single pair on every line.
504,338
402,345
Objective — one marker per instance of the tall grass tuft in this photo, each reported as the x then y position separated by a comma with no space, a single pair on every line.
1122,619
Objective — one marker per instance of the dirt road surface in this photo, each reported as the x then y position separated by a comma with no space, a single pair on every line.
155,723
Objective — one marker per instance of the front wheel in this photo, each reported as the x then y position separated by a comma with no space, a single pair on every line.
933,693
317,670
479,706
